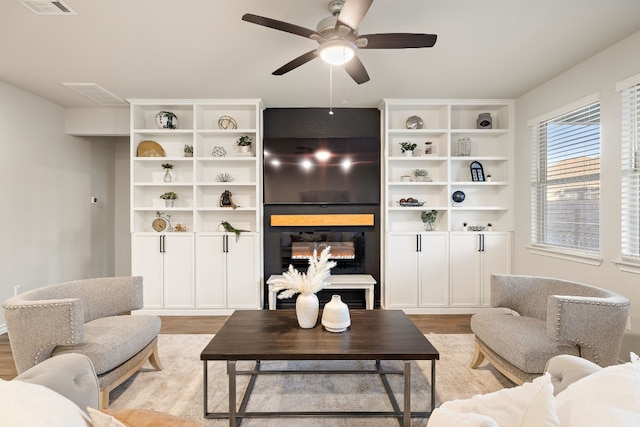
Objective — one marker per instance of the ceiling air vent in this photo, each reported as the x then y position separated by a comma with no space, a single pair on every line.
96,93
47,7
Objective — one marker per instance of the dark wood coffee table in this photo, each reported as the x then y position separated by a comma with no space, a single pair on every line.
275,335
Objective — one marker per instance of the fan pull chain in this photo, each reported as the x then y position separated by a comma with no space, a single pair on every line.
344,83
330,90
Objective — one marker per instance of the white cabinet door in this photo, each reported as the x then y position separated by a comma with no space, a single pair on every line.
433,265
401,284
211,269
243,278
496,260
166,264
465,270
146,261
178,270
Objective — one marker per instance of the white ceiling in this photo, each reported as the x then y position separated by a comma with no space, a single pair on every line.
202,48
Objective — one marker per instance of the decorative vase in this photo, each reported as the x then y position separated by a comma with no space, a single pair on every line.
166,120
168,203
307,306
428,226
335,315
408,153
167,176
243,148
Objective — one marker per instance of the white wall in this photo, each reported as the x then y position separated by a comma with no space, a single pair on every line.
122,207
50,230
598,74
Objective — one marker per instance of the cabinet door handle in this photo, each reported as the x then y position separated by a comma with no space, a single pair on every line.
482,243
162,244
418,243
225,244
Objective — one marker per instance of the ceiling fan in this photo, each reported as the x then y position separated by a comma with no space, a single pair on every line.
339,40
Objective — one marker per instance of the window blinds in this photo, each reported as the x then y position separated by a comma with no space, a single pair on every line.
566,179
630,151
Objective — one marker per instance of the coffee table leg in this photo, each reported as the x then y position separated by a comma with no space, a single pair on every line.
407,394
231,372
206,387
433,385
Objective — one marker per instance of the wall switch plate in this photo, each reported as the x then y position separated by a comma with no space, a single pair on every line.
17,289
94,200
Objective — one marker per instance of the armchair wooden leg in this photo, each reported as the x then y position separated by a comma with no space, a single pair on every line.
154,359
103,399
478,357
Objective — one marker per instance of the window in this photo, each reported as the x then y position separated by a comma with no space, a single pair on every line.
565,178
630,168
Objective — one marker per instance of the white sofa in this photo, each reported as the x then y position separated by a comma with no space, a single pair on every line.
573,392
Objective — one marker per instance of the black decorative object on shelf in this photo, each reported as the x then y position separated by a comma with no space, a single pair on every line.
477,172
458,196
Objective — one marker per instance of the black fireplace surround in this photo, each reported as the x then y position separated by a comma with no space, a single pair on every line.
356,247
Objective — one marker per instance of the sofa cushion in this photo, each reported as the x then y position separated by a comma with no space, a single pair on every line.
608,397
111,341
521,341
23,404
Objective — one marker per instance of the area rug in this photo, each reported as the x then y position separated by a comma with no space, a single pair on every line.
177,389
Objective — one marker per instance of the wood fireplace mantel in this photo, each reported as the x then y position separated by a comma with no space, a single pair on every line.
322,220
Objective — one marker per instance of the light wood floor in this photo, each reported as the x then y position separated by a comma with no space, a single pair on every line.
427,323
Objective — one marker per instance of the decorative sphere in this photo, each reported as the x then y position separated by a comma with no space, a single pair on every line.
458,196
166,120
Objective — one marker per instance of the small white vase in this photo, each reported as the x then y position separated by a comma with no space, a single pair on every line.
307,306
408,153
335,315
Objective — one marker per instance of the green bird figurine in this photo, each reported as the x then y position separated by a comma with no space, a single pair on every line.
228,227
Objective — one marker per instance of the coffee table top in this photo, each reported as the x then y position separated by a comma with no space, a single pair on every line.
275,335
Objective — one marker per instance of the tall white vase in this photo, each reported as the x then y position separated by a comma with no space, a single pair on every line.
307,310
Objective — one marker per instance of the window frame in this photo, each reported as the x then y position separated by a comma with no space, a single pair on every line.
539,187
629,90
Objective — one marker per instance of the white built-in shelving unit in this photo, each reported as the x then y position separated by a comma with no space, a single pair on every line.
412,279
203,268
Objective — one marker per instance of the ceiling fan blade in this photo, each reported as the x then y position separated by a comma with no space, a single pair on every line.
352,13
279,25
295,63
356,70
397,40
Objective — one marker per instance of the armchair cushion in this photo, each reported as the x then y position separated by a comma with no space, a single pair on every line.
111,341
521,341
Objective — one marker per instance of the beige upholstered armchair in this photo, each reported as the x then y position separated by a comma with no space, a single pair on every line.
90,317
537,318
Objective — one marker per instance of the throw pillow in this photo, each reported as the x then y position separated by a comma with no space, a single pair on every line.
609,397
148,418
529,405
24,404
100,419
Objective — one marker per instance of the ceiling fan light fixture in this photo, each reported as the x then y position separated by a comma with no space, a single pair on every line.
337,52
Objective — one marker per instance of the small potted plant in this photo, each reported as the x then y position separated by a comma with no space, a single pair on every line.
169,198
167,172
422,175
244,143
188,150
407,148
428,218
